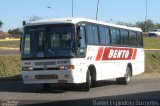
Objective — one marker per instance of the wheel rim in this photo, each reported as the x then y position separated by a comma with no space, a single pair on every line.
90,82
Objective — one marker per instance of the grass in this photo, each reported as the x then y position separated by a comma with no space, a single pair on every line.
9,65
152,42
152,62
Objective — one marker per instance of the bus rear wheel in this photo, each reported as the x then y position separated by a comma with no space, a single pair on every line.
126,79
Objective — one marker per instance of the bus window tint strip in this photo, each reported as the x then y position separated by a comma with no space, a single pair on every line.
106,35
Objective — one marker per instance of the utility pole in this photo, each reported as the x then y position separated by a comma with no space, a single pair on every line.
97,9
146,15
72,8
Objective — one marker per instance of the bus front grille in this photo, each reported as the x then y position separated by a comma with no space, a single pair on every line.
41,69
53,76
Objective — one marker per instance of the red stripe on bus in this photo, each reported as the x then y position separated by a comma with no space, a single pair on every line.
134,54
99,54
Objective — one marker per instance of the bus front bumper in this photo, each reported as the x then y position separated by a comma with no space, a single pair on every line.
56,76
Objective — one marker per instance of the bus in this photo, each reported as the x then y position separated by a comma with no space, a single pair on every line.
80,51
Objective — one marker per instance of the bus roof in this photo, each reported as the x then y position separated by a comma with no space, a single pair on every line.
77,20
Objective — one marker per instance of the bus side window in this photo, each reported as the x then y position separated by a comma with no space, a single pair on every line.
125,37
104,35
83,37
107,36
95,35
140,39
92,34
133,38
118,37
113,37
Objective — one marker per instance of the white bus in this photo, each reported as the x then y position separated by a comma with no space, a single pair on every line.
80,51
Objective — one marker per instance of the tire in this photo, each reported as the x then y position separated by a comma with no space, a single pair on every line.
46,87
88,81
93,83
126,79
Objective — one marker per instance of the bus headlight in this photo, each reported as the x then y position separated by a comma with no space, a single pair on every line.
27,68
67,67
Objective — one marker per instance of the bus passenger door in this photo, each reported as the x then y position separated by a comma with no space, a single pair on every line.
81,41
81,49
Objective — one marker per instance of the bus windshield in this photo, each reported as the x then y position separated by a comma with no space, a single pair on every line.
48,41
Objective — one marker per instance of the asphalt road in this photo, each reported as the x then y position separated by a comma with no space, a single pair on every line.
140,89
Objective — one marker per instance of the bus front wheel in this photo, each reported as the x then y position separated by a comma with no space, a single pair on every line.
126,79
88,81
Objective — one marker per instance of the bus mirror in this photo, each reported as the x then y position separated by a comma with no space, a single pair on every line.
20,44
24,23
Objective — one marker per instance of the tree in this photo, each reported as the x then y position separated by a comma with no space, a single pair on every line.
140,25
125,24
1,23
34,18
157,26
15,32
145,25
149,25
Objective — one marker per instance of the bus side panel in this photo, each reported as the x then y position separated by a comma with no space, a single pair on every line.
138,63
105,69
91,60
